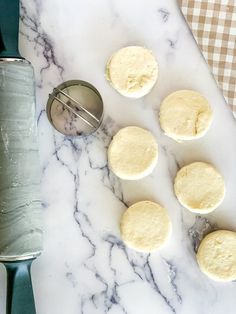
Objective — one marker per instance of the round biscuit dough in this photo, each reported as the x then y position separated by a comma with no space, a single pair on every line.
216,255
185,115
199,187
132,153
132,71
145,226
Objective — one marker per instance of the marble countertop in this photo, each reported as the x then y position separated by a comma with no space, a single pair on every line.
85,268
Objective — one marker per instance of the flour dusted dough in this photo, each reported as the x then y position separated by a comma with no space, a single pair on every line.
199,187
216,255
185,115
132,71
145,226
132,153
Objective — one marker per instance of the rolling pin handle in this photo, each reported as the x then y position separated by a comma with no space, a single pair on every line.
9,28
20,298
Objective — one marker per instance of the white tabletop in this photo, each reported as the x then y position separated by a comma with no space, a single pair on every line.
85,268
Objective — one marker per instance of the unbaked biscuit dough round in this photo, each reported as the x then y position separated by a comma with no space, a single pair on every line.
132,153
185,115
145,226
216,255
132,71
199,187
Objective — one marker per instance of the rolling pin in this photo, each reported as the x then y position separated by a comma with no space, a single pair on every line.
20,204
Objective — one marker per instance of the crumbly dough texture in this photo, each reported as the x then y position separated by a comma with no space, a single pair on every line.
133,153
145,226
132,71
199,187
216,255
185,115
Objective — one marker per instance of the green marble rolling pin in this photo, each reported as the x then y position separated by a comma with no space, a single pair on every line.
20,205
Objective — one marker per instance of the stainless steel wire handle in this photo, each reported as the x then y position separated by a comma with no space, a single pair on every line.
78,105
83,106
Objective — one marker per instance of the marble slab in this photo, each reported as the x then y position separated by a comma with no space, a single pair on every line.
85,268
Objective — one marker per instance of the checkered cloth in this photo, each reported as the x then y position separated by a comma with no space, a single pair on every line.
213,23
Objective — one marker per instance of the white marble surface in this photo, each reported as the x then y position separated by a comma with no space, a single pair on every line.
85,268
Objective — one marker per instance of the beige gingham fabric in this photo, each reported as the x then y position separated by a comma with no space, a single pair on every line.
213,24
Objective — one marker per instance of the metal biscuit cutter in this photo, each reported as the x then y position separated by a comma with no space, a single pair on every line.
75,108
